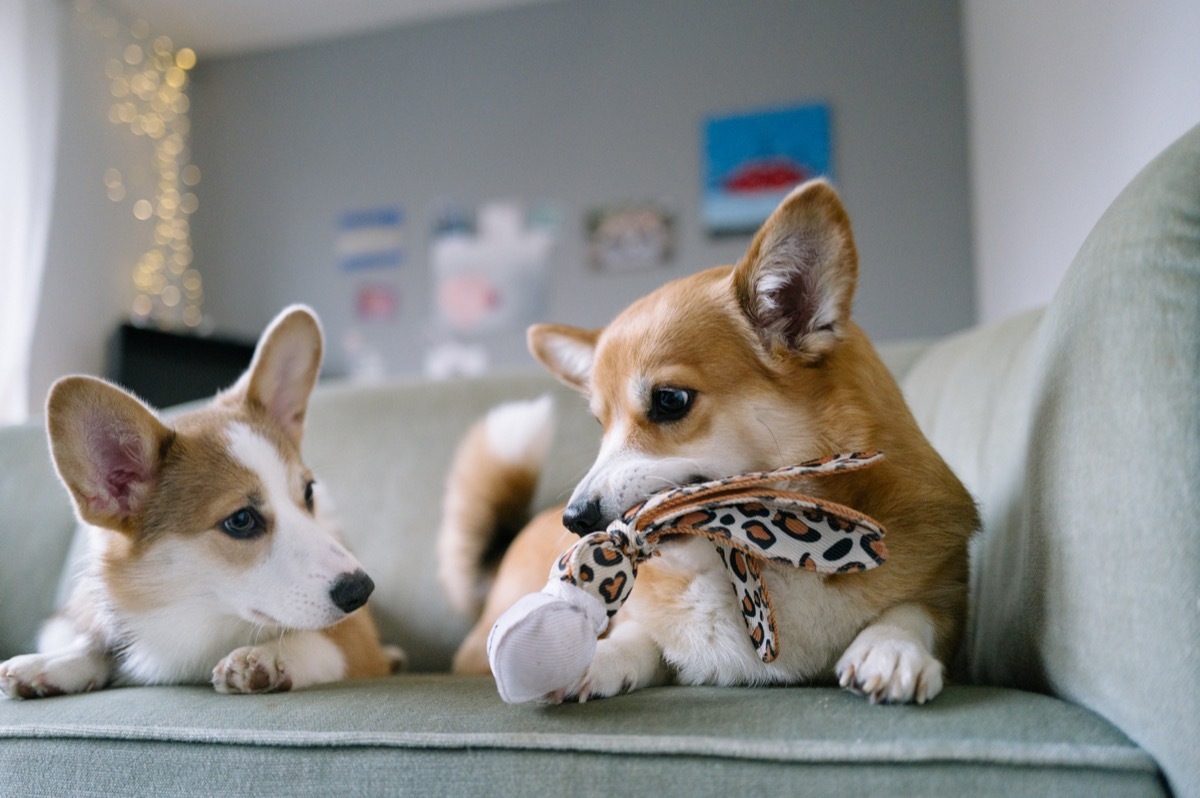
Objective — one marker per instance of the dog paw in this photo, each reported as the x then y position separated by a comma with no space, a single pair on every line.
46,675
889,670
594,684
26,677
611,673
251,669
397,659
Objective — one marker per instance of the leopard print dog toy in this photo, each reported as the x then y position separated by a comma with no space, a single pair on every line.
545,642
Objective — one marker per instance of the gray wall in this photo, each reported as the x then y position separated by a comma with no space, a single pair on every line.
581,103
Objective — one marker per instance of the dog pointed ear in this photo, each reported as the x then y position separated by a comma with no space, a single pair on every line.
107,447
567,352
796,281
284,370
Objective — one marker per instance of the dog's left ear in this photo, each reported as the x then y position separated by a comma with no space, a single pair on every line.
108,449
284,370
796,281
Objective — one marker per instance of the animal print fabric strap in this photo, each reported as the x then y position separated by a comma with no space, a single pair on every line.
750,523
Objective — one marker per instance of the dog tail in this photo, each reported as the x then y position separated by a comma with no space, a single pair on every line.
489,489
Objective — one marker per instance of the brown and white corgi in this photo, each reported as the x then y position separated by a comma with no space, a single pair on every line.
732,370
213,556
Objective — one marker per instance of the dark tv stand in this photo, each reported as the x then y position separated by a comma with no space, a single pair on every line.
167,368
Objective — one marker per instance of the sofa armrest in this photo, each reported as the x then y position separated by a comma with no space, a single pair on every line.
36,528
1079,432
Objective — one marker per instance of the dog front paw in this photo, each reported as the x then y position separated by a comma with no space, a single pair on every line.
251,669
625,661
597,683
890,670
27,677
46,675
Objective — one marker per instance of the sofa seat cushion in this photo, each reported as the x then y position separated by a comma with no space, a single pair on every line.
439,734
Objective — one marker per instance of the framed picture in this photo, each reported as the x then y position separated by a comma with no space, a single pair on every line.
752,160
369,239
630,237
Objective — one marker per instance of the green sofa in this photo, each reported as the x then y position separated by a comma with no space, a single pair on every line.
1076,426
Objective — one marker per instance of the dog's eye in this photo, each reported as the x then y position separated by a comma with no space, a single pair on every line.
670,404
246,523
308,495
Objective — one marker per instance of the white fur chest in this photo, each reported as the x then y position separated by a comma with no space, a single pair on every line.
699,627
176,645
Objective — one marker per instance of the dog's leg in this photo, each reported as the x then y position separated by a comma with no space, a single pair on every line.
295,660
69,663
627,660
891,659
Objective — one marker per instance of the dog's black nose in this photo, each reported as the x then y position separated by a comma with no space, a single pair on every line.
350,591
582,517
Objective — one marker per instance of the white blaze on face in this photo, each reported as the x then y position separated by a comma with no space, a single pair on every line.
625,474
292,584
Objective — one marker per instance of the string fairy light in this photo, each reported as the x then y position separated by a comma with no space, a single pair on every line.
148,81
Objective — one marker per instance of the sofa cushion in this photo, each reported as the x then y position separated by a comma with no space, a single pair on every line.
441,735
1079,432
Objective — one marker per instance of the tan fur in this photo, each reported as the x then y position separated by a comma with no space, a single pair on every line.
486,497
780,375
358,638
526,563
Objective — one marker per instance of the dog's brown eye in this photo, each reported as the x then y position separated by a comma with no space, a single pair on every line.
245,524
308,495
670,404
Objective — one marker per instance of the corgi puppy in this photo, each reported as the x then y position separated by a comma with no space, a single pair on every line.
732,370
213,557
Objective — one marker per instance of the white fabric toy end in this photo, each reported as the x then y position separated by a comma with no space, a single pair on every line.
545,642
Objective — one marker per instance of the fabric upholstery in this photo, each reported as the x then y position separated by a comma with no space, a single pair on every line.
1079,432
440,735
1076,427
35,530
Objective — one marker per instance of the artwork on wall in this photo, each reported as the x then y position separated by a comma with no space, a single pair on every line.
752,160
489,274
369,249
630,237
376,301
371,238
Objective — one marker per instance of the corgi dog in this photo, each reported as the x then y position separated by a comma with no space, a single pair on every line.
212,556
731,370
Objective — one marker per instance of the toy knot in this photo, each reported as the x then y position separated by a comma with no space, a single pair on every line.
749,523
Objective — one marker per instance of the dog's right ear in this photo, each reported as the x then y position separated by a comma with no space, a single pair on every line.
796,281
107,447
567,352
284,370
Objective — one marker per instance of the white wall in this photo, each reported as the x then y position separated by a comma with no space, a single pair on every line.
1067,101
87,287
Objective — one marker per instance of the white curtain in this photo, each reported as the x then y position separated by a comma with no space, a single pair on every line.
30,35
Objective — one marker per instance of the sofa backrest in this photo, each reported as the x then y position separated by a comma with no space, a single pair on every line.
1078,430
384,452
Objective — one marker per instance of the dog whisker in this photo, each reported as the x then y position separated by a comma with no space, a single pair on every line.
778,451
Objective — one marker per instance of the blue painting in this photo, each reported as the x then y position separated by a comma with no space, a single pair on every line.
753,160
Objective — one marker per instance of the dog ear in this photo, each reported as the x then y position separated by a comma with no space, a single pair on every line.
107,447
284,370
796,281
566,352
